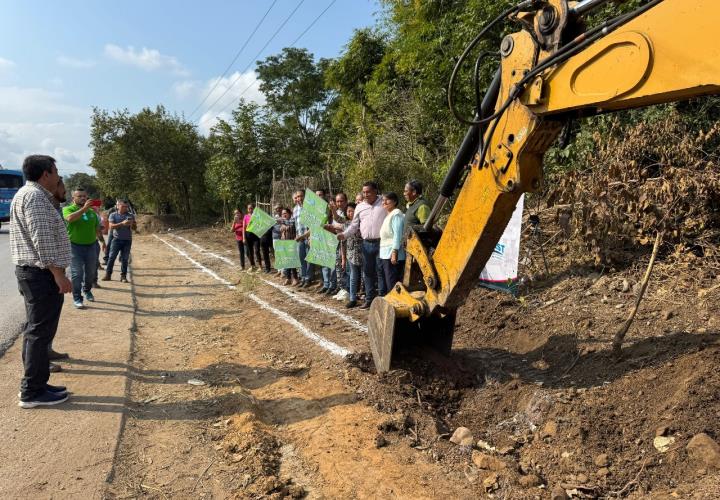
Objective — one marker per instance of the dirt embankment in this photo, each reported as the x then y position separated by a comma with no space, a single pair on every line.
533,380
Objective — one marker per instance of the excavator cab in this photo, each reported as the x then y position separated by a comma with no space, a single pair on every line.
553,69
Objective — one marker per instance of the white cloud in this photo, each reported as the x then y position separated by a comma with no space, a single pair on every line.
184,89
38,121
227,92
6,64
71,62
147,59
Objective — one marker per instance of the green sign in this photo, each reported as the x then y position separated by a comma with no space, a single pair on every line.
286,254
260,222
323,245
314,211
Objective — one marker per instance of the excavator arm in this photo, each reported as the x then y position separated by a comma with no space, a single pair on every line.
556,69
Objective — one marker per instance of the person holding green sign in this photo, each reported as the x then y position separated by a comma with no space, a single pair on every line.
252,241
289,246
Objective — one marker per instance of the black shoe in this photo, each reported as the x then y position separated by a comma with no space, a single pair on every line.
331,291
366,305
57,355
47,398
55,389
55,368
322,290
107,277
123,279
350,304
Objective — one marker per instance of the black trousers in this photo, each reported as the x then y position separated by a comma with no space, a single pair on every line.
241,251
392,272
43,304
266,244
253,248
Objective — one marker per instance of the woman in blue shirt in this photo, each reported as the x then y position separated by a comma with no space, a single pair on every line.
392,253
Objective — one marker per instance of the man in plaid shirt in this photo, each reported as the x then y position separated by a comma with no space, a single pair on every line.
40,250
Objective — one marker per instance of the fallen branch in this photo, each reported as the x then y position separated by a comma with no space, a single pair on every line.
203,473
620,335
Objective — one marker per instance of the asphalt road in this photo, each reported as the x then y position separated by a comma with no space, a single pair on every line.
12,310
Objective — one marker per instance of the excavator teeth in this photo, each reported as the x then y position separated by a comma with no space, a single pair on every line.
381,329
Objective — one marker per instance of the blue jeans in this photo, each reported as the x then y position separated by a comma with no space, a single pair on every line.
354,280
304,265
372,271
83,268
329,278
121,247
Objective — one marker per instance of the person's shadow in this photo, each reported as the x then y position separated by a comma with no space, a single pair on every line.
173,404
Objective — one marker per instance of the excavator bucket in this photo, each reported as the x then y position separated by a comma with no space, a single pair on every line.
381,329
390,332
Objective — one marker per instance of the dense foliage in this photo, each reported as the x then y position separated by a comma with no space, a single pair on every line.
378,111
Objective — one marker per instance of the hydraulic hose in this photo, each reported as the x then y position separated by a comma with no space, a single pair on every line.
468,148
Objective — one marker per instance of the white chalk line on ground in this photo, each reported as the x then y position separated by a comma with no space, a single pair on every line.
327,310
321,341
197,264
318,339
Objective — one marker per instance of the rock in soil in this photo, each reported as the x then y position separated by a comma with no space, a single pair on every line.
530,481
549,429
490,483
663,443
558,493
703,449
602,460
485,461
462,436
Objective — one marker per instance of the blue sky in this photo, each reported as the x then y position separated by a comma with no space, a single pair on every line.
58,59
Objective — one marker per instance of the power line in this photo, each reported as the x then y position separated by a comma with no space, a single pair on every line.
252,61
291,45
257,26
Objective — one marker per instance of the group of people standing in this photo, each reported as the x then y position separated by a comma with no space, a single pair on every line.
46,239
371,234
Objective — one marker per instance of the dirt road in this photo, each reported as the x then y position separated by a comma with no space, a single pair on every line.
231,397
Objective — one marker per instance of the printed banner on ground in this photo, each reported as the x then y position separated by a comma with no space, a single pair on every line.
501,271
260,222
314,211
323,245
286,254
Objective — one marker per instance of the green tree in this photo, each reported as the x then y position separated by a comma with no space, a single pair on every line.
85,181
297,100
155,158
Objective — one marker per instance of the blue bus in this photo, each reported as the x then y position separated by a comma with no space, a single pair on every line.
10,182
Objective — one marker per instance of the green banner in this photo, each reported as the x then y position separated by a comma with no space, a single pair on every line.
260,222
323,245
314,211
286,254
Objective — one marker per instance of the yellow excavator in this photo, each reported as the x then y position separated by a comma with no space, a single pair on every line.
552,70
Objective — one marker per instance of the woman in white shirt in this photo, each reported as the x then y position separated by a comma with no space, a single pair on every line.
392,253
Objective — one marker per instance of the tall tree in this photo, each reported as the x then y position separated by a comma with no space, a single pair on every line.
294,85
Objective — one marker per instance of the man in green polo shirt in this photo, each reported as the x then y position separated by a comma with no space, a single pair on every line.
83,227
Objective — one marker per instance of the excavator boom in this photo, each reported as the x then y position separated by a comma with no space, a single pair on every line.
664,51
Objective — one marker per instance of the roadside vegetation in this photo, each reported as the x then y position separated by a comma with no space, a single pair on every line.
380,111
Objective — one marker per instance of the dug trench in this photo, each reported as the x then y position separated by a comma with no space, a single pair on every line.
546,409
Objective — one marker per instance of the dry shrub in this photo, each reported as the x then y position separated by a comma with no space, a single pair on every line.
659,176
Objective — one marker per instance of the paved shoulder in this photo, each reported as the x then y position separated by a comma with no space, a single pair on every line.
68,450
